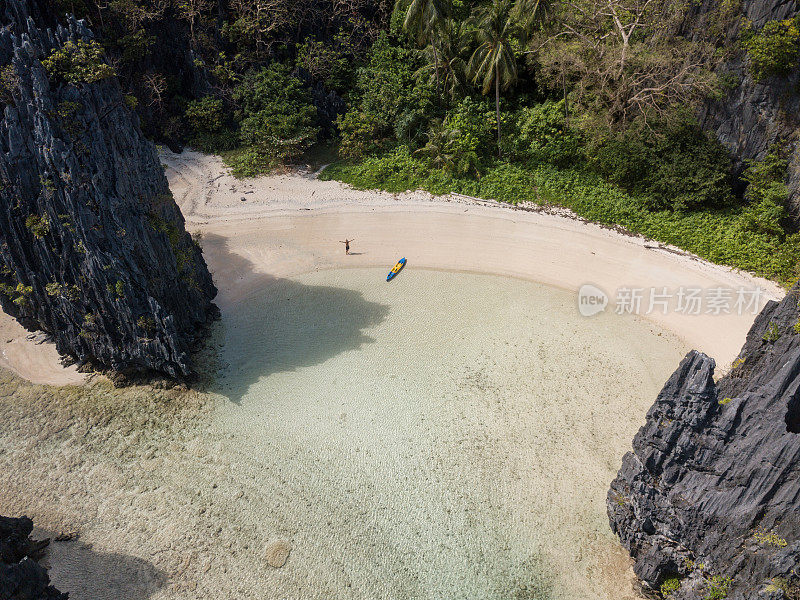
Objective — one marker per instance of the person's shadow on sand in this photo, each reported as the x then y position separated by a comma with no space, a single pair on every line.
281,325
76,568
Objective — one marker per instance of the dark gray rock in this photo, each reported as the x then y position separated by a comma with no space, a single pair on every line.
714,476
93,249
21,577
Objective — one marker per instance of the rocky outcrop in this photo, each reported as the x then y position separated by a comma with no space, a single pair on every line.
21,577
753,116
711,490
93,248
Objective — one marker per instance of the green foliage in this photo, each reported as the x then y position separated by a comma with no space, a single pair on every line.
17,294
717,588
775,50
678,167
9,84
670,586
330,63
386,93
772,334
53,288
454,145
147,323
278,119
66,113
770,538
135,46
474,121
796,327
205,115
78,63
218,142
539,133
766,193
38,226
71,292
711,234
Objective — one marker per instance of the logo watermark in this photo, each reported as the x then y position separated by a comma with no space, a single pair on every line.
684,300
591,300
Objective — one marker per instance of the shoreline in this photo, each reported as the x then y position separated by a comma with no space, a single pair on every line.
290,224
159,469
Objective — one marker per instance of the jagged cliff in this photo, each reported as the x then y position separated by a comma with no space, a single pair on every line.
752,116
93,248
711,490
21,577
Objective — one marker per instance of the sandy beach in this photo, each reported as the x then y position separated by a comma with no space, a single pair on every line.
292,223
452,434
289,224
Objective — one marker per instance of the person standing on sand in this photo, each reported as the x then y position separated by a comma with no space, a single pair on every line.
346,243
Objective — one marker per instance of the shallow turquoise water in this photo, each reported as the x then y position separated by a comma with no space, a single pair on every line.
446,435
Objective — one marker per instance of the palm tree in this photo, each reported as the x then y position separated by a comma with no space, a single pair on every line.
448,53
439,149
423,18
494,63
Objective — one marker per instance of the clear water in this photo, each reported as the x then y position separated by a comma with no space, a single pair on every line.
445,435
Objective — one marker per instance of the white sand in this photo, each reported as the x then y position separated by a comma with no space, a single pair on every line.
290,224
461,444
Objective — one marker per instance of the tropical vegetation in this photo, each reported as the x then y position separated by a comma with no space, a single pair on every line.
577,103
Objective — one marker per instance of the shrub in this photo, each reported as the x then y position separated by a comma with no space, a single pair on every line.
38,226
362,134
681,167
19,294
717,588
772,334
670,586
766,193
774,50
278,117
9,84
770,538
135,46
388,103
216,142
78,63
540,134
475,123
725,401
328,63
205,115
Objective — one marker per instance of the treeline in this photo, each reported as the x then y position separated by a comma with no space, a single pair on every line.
469,95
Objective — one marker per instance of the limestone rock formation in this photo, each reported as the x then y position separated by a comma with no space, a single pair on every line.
710,494
21,577
93,248
752,116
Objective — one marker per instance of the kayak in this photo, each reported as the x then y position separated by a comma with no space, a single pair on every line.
396,269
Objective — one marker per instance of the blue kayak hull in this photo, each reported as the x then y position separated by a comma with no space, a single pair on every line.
396,269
